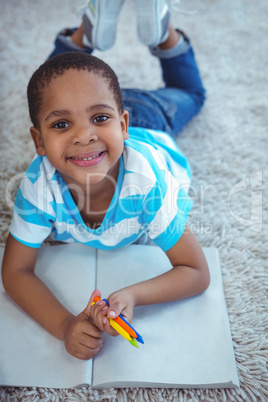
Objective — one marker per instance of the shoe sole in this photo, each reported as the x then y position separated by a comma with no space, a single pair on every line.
149,28
103,32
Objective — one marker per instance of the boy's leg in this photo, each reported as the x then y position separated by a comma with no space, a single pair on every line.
98,30
70,40
170,108
100,22
152,21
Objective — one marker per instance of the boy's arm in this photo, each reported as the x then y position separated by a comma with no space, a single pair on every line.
30,293
188,277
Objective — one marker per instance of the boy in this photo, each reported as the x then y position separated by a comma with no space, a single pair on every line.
97,182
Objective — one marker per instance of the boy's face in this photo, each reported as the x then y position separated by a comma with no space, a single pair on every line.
81,131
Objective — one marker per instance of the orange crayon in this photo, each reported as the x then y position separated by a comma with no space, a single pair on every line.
121,322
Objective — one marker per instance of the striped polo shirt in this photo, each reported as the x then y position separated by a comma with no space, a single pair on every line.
150,196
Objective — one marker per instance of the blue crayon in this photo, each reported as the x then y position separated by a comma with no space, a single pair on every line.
139,337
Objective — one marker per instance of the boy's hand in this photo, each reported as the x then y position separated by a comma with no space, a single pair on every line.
121,302
98,314
82,338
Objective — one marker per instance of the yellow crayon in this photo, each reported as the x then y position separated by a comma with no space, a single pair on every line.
119,329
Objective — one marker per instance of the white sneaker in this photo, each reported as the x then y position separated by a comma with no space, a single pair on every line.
100,23
152,21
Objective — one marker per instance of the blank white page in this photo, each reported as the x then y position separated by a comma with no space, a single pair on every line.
29,355
187,343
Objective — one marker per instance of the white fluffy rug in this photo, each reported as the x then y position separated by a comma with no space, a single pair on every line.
226,144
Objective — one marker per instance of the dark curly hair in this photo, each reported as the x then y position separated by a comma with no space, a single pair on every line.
56,66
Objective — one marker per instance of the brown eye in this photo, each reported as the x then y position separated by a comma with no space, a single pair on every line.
100,119
61,125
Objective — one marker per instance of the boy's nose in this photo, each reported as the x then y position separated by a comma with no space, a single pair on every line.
84,135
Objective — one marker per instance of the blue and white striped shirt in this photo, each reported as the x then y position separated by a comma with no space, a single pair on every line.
150,196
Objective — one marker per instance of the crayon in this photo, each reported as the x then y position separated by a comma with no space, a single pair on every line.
117,327
121,321
134,342
137,336
124,324
121,331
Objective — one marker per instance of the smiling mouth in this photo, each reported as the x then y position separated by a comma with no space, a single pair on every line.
86,159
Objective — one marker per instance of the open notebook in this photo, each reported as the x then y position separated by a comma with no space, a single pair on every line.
187,343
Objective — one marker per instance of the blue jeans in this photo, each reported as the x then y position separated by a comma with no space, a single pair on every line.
170,108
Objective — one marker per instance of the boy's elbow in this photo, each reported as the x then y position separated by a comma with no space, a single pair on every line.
203,279
3,276
5,280
206,280
9,279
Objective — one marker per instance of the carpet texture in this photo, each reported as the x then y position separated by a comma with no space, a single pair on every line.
226,145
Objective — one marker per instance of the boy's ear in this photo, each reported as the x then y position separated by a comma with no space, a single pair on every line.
124,124
38,141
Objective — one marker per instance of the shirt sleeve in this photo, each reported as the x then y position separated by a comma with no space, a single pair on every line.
33,214
166,210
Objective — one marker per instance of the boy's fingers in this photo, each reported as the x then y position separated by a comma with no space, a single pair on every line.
88,328
95,293
98,314
114,310
86,350
84,340
86,311
91,342
99,307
